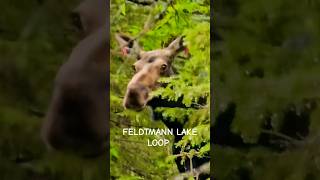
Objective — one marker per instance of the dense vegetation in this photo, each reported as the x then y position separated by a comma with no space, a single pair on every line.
160,23
36,37
266,86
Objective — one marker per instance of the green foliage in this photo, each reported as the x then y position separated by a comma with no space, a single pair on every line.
36,37
266,61
131,156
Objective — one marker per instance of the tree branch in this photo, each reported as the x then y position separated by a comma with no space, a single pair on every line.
153,20
142,2
203,169
283,136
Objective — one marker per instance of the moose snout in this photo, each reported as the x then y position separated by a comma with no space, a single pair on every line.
136,97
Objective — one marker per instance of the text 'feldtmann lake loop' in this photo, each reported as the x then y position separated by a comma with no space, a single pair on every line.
157,131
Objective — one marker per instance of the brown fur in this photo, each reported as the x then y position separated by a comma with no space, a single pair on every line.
150,66
76,118
77,115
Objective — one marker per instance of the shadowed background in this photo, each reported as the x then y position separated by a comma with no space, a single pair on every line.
266,85
36,37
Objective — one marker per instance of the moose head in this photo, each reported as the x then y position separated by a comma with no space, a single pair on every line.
149,67
76,118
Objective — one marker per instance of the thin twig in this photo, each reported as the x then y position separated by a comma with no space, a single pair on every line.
153,20
203,169
288,138
142,2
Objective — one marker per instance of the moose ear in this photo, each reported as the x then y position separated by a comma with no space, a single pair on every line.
129,46
88,16
176,46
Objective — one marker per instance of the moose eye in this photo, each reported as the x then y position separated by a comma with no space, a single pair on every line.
76,21
163,67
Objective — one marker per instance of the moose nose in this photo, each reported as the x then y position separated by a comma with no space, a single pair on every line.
136,97
137,108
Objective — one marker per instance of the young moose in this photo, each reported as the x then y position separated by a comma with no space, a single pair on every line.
149,67
76,118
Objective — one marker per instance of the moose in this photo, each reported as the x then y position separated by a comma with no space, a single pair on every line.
77,116
149,67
